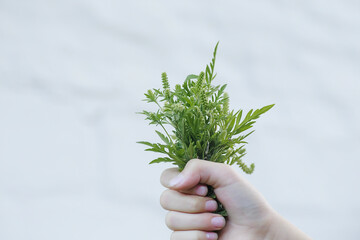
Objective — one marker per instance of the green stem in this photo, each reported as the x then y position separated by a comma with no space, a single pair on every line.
166,133
163,125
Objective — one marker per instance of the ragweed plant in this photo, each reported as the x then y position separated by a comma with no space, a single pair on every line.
196,123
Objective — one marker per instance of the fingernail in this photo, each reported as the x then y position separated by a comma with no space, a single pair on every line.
211,205
218,222
211,236
176,180
201,190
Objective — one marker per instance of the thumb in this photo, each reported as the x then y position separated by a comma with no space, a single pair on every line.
217,175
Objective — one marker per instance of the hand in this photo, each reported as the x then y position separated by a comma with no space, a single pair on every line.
190,212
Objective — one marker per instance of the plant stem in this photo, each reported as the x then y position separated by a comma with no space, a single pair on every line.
166,133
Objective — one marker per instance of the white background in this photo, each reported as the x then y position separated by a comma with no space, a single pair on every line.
72,76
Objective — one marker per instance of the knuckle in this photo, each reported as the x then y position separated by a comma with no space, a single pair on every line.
196,205
199,236
169,220
193,163
164,199
194,235
175,236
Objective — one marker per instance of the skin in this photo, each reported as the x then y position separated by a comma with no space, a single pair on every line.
190,212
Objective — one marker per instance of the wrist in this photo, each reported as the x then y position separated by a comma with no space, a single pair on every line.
279,228
267,226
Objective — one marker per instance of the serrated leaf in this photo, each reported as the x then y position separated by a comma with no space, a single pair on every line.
163,137
161,159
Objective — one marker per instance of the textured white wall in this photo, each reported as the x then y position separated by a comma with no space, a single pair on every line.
72,76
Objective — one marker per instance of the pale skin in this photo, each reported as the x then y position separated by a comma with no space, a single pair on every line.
190,212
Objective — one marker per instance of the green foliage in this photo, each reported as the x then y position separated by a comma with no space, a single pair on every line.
201,124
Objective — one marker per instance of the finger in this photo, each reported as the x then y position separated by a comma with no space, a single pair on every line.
199,190
200,171
193,235
178,221
167,175
171,173
175,201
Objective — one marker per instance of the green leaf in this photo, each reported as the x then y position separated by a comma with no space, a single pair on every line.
238,117
247,117
266,108
150,97
146,143
191,76
161,159
221,90
162,136
231,124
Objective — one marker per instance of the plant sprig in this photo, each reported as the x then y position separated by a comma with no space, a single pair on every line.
202,126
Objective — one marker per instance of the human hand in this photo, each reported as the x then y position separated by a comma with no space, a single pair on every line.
190,212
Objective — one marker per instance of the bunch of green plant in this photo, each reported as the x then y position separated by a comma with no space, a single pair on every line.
201,124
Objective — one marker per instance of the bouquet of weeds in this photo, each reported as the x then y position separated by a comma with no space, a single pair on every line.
202,126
